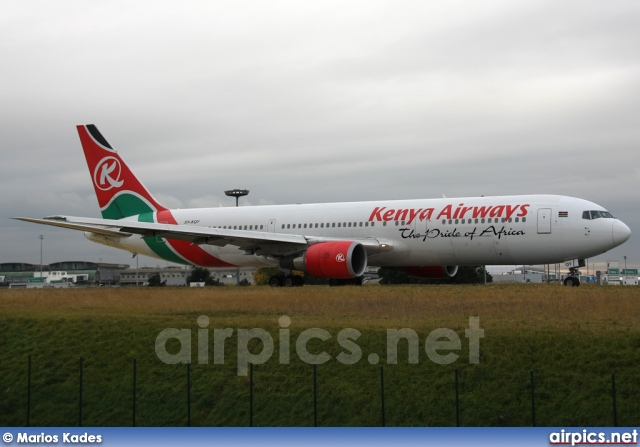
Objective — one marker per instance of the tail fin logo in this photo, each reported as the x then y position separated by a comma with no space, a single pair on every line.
107,174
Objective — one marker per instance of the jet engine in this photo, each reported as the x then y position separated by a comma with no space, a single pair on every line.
336,260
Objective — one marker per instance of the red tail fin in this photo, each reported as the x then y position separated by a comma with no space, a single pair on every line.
120,193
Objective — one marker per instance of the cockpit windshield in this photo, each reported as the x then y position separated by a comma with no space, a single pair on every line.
594,214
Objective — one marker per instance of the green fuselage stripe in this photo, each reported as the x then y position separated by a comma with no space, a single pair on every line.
126,205
158,244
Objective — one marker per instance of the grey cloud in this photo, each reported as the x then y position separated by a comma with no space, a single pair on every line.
303,102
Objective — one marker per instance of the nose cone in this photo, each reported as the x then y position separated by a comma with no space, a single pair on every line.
621,233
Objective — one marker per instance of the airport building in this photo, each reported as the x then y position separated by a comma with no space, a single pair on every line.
80,273
177,276
172,276
16,274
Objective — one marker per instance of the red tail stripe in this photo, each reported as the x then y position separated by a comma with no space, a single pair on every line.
109,173
192,253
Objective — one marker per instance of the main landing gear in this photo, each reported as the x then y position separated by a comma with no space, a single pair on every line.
286,281
298,281
574,277
346,282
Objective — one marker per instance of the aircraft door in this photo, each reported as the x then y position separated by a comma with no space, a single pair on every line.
544,221
271,227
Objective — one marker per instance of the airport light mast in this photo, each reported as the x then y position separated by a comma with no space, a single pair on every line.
237,193
41,237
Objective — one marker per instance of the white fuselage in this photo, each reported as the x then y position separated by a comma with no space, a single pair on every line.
527,229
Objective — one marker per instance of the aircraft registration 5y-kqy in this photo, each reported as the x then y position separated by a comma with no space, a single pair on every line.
427,238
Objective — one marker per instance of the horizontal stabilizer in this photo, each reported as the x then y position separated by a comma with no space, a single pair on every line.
60,222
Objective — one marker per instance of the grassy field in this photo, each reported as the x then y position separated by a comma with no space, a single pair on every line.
573,339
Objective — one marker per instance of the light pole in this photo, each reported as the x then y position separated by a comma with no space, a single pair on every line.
625,262
237,193
41,237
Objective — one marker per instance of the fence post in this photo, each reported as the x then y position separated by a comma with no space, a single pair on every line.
189,394
80,395
615,400
250,394
533,398
315,395
457,398
29,393
133,422
382,395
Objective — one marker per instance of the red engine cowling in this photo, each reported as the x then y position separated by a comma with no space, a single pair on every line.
432,271
335,260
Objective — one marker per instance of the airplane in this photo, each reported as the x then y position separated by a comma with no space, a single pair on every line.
427,238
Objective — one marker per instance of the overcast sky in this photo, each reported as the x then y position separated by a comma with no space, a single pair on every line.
303,101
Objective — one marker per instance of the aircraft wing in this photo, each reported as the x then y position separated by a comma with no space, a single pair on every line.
250,241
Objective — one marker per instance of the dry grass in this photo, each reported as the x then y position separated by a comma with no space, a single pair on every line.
573,338
527,306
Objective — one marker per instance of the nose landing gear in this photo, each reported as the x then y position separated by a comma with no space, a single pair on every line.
574,277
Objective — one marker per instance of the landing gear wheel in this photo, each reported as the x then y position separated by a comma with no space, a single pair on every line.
572,281
346,282
289,281
276,281
568,281
574,277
